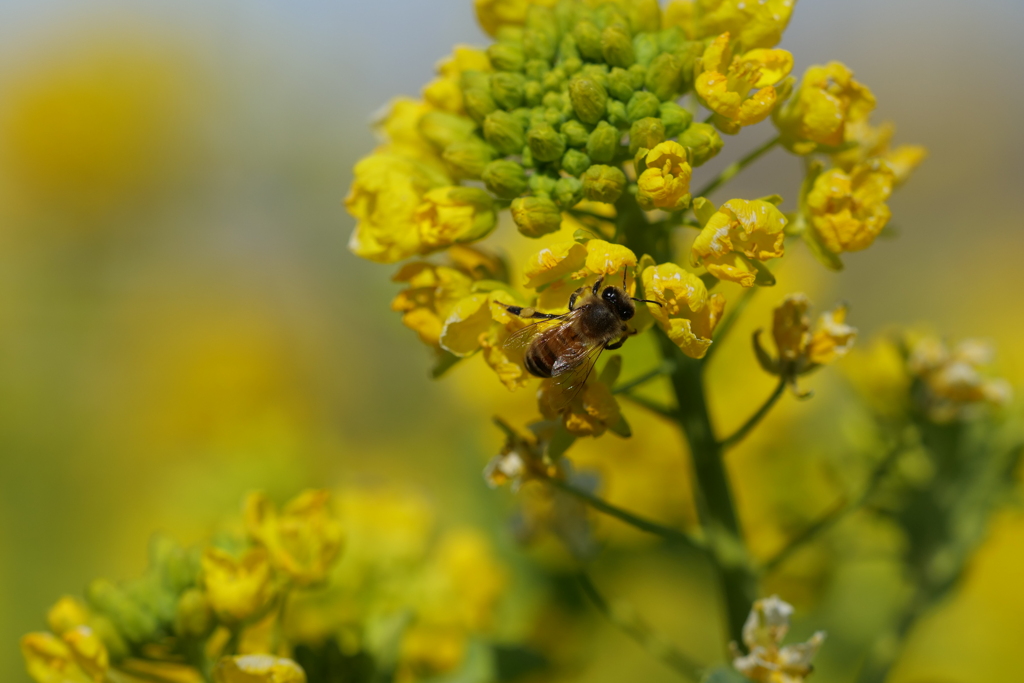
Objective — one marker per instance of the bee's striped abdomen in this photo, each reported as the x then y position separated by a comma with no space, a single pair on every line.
546,350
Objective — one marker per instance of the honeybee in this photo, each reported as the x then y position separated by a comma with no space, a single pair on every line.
564,347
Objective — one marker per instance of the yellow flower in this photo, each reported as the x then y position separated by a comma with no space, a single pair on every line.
738,233
869,143
687,314
386,193
954,381
848,210
448,215
817,114
799,349
258,669
401,128
495,14
432,294
755,23
77,656
239,590
665,184
445,92
591,412
766,661
725,83
66,614
429,650
565,266
519,461
304,538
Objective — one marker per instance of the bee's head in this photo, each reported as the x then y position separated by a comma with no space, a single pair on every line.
620,302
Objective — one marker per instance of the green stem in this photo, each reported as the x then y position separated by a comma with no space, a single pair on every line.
662,369
838,513
652,406
639,631
667,533
732,169
724,327
749,425
713,493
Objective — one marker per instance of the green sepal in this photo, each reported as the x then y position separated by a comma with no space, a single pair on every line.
704,209
827,258
444,362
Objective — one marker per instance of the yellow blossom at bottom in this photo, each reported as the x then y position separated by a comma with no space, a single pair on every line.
687,314
767,660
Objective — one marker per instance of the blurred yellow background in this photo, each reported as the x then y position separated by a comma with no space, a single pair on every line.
180,320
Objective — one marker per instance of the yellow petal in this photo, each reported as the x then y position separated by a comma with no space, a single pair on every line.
258,669
554,262
469,319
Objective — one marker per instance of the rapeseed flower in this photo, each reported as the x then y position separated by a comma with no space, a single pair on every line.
827,101
767,660
952,384
740,88
665,183
755,24
868,142
258,669
736,235
239,589
847,211
687,313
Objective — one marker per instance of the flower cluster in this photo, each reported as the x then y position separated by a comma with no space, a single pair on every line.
252,607
950,384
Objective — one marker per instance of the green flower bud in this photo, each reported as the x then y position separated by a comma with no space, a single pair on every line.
675,118
616,114
575,162
567,49
703,141
442,129
568,192
505,179
610,14
506,56
478,103
177,567
572,65
553,117
507,89
603,143
533,93
468,158
131,621
542,185
670,39
645,134
193,617
617,46
603,183
645,15
588,40
642,105
664,77
504,131
637,76
620,84
555,100
526,158
474,79
536,69
575,133
509,33
589,99
540,34
688,52
646,47
554,80
545,143
536,216
596,72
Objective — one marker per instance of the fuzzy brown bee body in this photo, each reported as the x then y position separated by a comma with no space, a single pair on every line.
564,347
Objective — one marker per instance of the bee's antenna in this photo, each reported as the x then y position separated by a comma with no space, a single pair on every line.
647,301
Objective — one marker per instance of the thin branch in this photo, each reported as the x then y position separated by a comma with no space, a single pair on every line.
668,533
732,169
665,368
724,327
653,406
839,512
639,631
749,425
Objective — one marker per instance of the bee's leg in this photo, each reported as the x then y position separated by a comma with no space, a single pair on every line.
527,312
616,345
597,285
574,297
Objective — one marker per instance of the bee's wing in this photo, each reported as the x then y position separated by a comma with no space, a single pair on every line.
520,340
570,373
